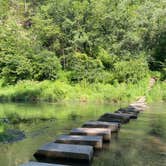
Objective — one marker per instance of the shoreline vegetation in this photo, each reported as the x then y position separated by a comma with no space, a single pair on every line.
98,93
58,91
63,93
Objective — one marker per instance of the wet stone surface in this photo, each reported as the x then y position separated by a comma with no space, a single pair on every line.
98,124
58,150
114,117
105,132
95,141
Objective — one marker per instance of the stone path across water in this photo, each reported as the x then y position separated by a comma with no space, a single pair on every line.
76,145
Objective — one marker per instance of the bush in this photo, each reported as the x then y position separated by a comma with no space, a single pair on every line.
54,91
131,70
45,66
83,67
15,68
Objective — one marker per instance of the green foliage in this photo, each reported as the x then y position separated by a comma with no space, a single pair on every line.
87,41
131,71
15,69
158,92
3,9
45,66
54,91
83,67
107,59
14,62
21,60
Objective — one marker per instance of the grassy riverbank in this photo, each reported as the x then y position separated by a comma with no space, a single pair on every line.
62,92
56,91
157,93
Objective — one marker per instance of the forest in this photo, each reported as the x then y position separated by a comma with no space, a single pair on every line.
62,49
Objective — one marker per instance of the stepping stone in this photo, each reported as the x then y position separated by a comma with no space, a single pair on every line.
40,164
138,105
139,109
128,111
98,124
130,115
114,117
95,141
106,133
65,151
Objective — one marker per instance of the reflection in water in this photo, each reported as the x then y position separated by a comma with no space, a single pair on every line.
141,142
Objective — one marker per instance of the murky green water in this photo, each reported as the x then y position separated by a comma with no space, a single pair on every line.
141,142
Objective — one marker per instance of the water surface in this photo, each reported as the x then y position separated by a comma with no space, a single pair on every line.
140,142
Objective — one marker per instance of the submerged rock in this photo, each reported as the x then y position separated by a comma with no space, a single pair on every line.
11,135
4,120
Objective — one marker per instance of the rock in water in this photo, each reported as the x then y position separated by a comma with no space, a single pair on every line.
65,151
104,132
98,124
95,141
114,117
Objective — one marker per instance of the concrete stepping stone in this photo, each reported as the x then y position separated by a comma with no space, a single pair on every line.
95,141
105,132
114,117
140,109
138,105
128,111
65,151
98,124
121,116
39,164
131,116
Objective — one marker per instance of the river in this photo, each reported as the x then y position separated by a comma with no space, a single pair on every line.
140,142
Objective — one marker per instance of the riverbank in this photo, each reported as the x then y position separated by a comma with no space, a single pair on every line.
56,91
119,95
63,93
157,92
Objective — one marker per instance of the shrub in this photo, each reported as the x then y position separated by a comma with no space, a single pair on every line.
131,70
83,67
45,66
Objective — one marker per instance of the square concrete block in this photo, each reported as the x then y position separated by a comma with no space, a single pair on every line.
95,141
65,151
105,132
98,124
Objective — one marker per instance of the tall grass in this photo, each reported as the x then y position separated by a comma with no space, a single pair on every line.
55,91
157,93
